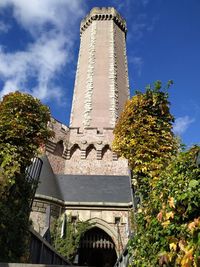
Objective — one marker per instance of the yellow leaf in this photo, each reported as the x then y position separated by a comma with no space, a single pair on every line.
191,226
166,223
173,246
183,245
187,260
169,215
171,202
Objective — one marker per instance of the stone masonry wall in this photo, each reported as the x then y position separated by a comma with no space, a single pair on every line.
113,220
38,214
56,145
89,152
106,219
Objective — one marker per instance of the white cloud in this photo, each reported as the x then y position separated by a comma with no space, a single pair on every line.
33,15
41,61
51,24
4,27
137,63
181,124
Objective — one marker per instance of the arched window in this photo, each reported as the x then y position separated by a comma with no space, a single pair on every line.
59,148
106,153
91,152
75,151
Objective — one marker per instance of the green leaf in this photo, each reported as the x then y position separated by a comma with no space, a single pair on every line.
193,183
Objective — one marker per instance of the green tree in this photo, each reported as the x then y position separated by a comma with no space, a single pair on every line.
167,221
23,129
144,136
68,244
168,224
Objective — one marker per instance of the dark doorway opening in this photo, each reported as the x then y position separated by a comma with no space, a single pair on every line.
97,249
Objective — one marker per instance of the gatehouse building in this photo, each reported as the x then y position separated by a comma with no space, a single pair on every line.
81,175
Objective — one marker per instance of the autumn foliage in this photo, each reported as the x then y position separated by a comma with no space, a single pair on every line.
23,128
144,134
167,219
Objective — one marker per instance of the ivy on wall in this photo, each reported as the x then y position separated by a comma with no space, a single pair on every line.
66,238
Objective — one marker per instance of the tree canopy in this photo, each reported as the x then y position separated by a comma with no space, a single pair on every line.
23,129
167,219
143,134
167,230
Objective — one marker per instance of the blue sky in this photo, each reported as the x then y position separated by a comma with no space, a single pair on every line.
39,42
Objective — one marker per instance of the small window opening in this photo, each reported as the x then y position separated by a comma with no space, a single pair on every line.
117,220
74,219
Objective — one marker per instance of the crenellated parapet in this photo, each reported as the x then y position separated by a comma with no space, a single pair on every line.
104,13
89,138
67,139
61,135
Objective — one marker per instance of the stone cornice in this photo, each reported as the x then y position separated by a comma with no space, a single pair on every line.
104,13
83,204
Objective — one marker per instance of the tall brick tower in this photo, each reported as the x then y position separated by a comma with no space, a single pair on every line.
81,175
101,86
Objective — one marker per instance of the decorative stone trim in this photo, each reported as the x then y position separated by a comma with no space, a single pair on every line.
103,14
99,154
89,79
126,68
115,157
83,154
99,204
50,146
66,154
49,199
113,78
83,204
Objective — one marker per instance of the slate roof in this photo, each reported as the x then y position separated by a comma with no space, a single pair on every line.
48,185
83,188
95,188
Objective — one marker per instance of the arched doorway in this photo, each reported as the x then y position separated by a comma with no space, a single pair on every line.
97,249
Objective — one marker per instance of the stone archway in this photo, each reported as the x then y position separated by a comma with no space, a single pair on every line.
99,223
97,249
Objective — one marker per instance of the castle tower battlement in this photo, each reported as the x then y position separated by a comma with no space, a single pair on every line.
104,13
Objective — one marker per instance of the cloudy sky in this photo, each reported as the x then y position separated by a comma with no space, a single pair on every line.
39,42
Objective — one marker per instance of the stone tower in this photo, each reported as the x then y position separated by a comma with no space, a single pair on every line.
81,175
100,92
101,85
